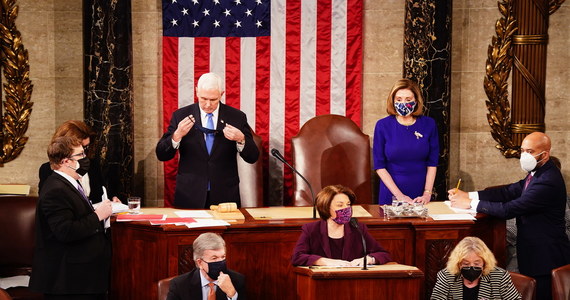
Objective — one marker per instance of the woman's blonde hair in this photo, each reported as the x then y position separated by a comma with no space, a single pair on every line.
405,84
466,246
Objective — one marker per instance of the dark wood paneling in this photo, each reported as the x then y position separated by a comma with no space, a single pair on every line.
261,250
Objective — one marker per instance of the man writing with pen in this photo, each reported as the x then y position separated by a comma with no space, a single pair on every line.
207,135
538,203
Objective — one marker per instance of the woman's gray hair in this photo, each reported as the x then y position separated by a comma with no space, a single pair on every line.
207,241
210,81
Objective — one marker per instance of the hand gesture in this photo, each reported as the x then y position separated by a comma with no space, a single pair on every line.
233,134
323,261
183,128
225,283
424,199
104,210
358,262
459,198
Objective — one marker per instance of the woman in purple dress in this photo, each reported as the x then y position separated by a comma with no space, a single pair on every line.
406,147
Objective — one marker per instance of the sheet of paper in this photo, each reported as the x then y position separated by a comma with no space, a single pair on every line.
126,218
452,217
196,214
177,221
207,223
14,281
460,210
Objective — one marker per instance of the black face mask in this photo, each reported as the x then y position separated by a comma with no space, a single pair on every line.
83,166
471,273
214,268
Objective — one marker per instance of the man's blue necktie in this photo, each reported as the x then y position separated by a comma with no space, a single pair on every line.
209,136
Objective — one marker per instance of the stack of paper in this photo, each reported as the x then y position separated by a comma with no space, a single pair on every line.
127,218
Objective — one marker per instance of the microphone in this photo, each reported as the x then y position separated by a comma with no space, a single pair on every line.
354,224
280,157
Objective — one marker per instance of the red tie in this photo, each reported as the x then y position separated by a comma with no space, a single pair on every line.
528,179
212,291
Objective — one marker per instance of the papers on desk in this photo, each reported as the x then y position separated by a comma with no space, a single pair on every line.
175,221
14,281
128,218
207,223
441,217
460,210
196,214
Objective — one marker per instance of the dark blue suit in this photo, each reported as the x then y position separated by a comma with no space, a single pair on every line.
196,168
542,244
314,244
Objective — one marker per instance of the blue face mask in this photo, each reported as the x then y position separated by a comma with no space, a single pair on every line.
404,109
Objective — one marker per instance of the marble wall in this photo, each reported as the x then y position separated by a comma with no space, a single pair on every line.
51,31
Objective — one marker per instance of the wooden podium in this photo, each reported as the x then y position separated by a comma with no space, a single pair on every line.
378,282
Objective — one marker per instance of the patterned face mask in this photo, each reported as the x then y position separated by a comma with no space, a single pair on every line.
404,109
343,215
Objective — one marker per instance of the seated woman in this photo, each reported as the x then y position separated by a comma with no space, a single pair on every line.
332,241
472,273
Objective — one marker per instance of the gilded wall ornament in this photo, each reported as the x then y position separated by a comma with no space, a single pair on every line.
17,86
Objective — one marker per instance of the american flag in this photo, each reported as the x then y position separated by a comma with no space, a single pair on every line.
283,62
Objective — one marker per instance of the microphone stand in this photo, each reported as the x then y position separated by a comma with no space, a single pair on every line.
278,155
354,224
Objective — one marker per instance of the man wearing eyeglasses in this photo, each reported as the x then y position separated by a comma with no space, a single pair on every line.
208,136
72,255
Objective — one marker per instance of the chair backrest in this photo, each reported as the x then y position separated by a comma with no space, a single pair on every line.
163,287
331,149
561,283
251,178
525,285
17,233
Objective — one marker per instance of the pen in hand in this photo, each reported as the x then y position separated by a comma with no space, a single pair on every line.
457,187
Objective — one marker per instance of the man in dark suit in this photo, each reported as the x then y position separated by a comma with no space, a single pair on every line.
538,203
210,278
207,171
72,255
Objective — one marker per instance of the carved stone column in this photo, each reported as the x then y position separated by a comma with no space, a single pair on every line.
427,60
108,89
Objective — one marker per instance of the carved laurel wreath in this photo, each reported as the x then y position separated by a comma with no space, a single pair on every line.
498,67
17,88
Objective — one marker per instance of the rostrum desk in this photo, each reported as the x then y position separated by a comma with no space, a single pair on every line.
261,250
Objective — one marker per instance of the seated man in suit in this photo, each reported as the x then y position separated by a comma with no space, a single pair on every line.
211,276
538,202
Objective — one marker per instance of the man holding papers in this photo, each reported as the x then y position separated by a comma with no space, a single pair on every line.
538,203
210,279
72,257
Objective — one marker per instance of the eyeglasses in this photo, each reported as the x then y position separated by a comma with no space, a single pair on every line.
82,155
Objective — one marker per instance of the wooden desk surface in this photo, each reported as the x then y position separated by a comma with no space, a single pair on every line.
261,249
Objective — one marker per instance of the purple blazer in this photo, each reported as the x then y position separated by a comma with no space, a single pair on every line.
314,244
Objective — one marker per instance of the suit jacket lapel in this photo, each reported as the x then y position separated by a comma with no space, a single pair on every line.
78,195
202,138
195,288
325,238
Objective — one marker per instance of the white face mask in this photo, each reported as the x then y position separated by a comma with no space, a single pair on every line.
528,161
